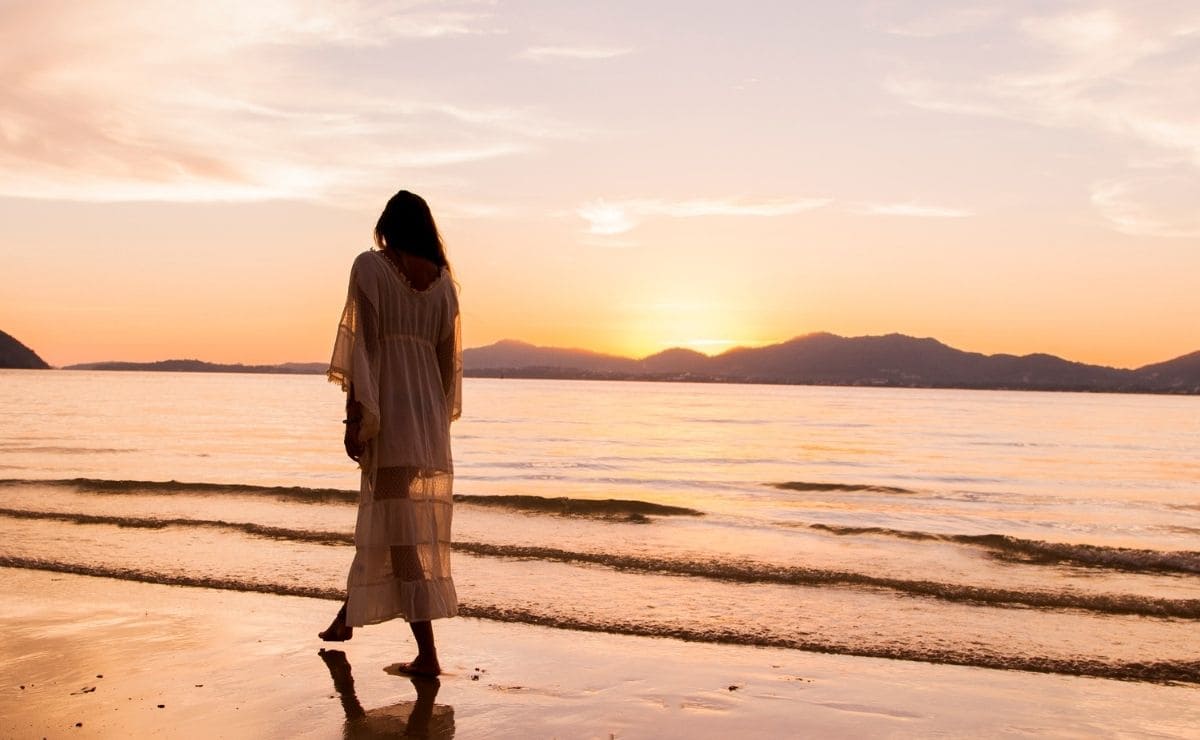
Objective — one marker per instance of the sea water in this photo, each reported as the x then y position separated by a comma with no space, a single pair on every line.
1034,531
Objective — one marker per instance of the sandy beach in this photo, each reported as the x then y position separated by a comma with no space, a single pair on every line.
95,657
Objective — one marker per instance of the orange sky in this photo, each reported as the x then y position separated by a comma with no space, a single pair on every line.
194,182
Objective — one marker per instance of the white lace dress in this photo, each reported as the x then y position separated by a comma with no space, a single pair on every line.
398,348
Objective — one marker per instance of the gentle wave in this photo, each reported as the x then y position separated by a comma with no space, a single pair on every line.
714,569
258,530
630,510
1007,547
841,487
64,450
623,509
754,572
97,485
1163,671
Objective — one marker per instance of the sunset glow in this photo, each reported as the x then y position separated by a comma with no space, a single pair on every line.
194,180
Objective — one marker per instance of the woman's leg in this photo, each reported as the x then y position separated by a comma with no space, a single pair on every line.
407,566
426,662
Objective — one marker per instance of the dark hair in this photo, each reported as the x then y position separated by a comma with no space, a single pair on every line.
406,225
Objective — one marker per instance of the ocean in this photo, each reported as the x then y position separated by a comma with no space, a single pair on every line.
1048,532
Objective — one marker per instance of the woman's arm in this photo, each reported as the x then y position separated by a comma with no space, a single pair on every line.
354,365
449,357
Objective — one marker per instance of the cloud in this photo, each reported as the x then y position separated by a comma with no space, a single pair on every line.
225,100
606,218
1152,204
1097,71
543,53
911,209
1125,74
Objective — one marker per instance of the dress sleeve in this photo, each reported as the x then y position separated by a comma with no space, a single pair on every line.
355,362
449,352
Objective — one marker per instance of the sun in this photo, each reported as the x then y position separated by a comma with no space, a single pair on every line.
702,326
710,347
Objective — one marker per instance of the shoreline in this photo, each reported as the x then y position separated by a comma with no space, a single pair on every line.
108,652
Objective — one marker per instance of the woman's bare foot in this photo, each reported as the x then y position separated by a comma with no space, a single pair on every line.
425,667
336,633
426,663
337,630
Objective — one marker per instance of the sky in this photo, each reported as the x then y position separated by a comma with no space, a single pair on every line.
193,180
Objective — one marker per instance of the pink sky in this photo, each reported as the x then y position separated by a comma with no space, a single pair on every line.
194,180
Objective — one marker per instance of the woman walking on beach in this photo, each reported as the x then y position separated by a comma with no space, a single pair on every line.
397,357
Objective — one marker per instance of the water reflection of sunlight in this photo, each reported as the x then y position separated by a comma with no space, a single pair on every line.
412,719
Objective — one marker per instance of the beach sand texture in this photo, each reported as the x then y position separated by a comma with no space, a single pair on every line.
95,657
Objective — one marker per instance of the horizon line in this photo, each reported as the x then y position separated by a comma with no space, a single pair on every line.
638,358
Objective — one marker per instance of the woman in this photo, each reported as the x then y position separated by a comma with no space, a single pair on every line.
397,357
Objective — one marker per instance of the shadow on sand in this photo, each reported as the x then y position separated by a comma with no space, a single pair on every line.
409,719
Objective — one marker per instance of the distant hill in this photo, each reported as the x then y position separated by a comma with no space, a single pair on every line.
15,355
510,353
1181,375
199,366
675,362
894,360
532,361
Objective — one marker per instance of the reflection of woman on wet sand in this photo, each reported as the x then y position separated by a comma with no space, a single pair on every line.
397,356
419,719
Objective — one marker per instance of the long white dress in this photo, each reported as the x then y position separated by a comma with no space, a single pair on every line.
398,348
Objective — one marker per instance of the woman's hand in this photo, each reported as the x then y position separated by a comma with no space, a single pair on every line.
354,412
354,448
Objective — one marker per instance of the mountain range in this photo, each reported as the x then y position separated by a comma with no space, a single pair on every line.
894,360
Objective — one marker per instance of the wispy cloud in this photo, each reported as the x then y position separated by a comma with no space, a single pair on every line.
544,53
347,22
1122,73
910,209
1153,204
607,218
225,100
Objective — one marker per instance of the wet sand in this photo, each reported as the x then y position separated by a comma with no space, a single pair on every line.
95,657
